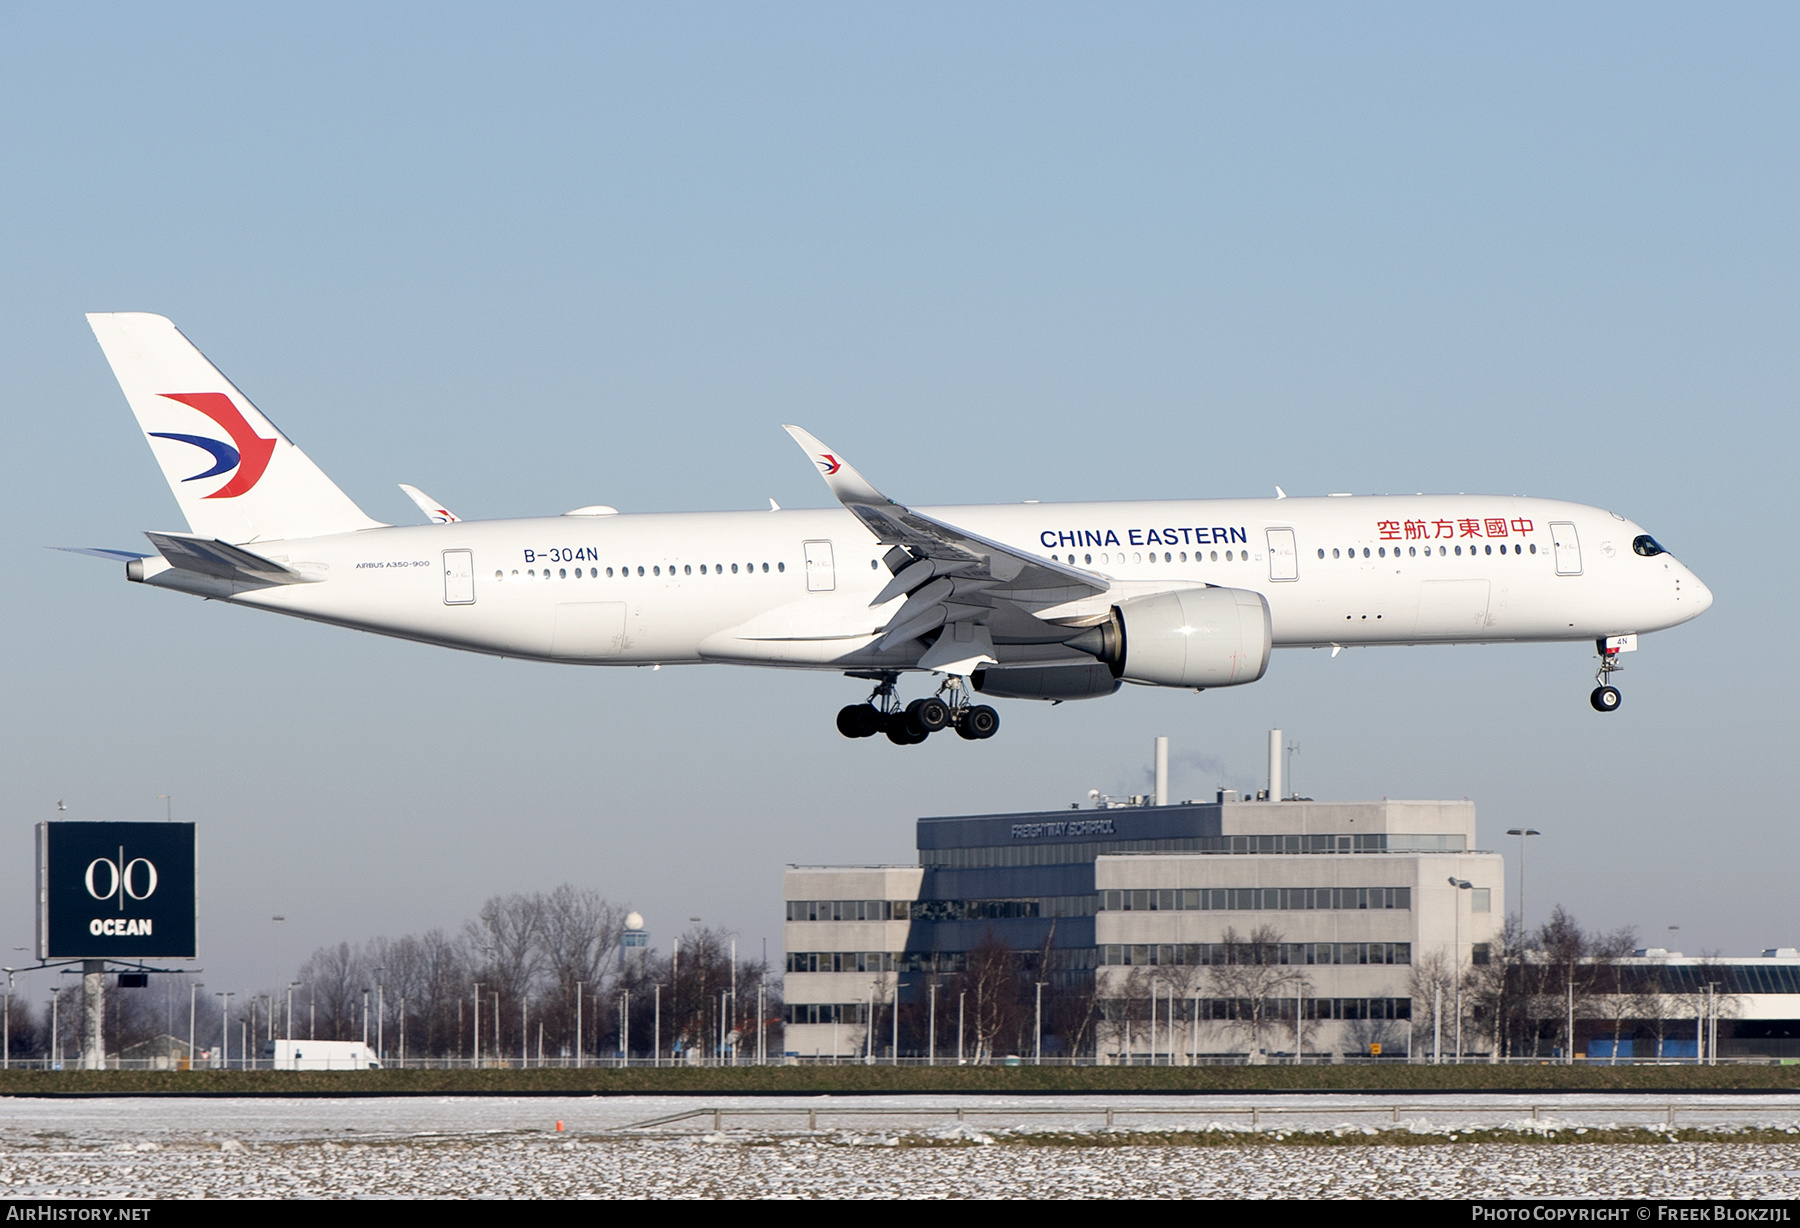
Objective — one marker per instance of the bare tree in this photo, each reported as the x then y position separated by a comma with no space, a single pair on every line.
1432,987
335,978
991,979
1072,1012
1492,990
580,933
507,935
1255,984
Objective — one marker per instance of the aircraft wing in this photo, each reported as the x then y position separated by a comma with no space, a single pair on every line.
968,584
221,560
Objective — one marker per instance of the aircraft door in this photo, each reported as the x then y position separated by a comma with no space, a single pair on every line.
1567,546
459,577
821,572
1284,561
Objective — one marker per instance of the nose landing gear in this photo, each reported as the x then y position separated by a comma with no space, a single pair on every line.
918,720
1606,697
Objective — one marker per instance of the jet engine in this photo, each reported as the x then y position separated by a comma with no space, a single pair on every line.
1197,637
1057,682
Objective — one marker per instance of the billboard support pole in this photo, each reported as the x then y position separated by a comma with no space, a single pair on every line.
93,1014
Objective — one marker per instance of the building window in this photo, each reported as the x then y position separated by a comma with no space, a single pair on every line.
1481,899
1480,953
849,910
1208,954
1257,899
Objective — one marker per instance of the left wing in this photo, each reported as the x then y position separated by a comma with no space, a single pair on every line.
969,585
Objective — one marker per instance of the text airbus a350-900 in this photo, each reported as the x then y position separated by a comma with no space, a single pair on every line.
1032,601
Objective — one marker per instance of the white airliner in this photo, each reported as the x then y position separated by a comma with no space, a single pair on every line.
1050,601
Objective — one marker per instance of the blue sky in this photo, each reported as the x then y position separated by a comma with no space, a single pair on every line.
530,258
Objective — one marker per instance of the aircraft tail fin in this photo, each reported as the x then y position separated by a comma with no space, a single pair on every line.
235,475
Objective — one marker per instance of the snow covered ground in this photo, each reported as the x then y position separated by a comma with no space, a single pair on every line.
510,1147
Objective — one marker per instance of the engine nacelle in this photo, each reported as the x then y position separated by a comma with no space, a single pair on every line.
1198,637
1056,682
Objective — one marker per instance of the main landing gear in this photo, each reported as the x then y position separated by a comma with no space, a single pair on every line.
918,720
1606,697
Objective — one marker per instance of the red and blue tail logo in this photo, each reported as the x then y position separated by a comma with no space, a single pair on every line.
829,463
248,452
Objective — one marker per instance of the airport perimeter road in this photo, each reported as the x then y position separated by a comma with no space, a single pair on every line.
101,1120
893,1147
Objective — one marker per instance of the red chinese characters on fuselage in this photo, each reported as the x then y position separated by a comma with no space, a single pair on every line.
1431,530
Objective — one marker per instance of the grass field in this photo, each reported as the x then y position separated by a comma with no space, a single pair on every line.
887,1080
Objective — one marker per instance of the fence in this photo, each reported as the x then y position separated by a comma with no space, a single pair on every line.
394,1062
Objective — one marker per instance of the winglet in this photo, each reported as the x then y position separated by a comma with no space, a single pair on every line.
431,507
846,483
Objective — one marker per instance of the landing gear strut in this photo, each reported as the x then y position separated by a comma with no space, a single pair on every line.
1606,697
918,720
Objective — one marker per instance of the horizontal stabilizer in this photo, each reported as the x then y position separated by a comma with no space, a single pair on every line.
221,560
100,552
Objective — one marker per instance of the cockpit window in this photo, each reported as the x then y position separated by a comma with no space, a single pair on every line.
1647,546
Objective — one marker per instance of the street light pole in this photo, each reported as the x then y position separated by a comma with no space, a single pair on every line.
931,1051
291,987
1461,885
1521,833
1037,1057
224,1032
898,986
194,988
380,1015
1712,1023
476,1045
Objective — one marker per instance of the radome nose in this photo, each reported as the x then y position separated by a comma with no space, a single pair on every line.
1694,591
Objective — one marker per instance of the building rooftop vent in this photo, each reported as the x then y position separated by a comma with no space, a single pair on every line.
1782,953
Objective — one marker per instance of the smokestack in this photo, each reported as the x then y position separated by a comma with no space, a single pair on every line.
1162,772
1274,765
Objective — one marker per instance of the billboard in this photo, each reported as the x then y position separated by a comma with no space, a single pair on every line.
115,890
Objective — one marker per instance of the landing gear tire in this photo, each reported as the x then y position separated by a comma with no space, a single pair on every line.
901,731
930,714
978,723
858,721
1605,699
